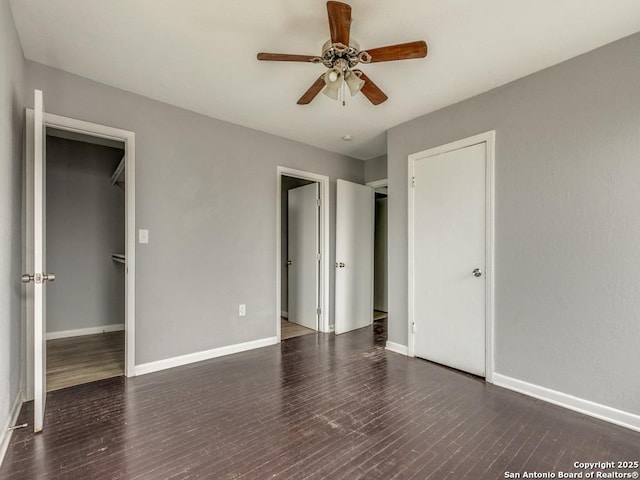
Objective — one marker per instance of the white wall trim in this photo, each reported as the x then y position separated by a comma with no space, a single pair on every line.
587,407
396,347
204,355
78,332
12,418
324,323
488,138
128,137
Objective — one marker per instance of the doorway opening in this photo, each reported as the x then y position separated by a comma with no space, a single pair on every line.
37,122
302,261
380,259
85,232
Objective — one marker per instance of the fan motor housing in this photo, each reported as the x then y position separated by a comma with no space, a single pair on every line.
332,53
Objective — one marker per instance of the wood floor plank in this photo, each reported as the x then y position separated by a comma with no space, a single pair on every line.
314,407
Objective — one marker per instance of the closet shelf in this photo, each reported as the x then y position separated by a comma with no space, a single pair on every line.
118,257
118,176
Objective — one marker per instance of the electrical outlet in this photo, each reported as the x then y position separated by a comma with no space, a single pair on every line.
242,310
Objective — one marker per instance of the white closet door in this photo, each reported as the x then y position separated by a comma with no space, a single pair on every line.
449,252
38,277
303,262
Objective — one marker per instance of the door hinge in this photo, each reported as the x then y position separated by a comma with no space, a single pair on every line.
318,311
413,181
318,256
413,327
318,202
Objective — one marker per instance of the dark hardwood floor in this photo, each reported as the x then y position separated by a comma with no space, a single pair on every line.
315,406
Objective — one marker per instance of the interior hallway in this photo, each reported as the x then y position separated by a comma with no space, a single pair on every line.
315,406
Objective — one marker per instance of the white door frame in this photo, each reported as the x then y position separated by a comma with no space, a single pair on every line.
323,294
128,137
488,138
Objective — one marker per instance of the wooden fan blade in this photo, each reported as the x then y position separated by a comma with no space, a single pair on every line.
402,51
314,90
339,22
285,57
371,90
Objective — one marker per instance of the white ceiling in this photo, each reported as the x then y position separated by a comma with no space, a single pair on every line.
201,54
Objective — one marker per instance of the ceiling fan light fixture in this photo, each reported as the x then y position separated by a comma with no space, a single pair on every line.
354,82
333,78
341,55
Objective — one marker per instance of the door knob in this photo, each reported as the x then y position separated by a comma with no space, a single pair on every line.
339,265
477,272
289,262
45,277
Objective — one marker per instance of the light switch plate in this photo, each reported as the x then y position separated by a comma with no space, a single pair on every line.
143,236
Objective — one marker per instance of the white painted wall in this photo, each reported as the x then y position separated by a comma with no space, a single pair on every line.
375,169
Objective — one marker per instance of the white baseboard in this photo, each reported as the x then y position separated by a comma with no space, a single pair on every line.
587,407
85,331
284,314
205,355
5,433
396,347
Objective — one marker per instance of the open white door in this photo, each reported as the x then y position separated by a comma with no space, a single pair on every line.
303,250
354,256
36,249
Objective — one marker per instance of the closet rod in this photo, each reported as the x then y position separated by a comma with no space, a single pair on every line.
118,257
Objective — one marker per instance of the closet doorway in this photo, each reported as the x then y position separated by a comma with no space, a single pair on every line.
37,122
85,231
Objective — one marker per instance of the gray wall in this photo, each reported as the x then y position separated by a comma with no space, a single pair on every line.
375,169
11,128
567,228
206,190
287,184
85,225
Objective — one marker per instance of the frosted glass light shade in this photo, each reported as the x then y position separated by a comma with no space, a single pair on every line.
354,82
332,90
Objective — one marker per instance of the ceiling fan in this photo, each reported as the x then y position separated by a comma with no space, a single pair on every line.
341,55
